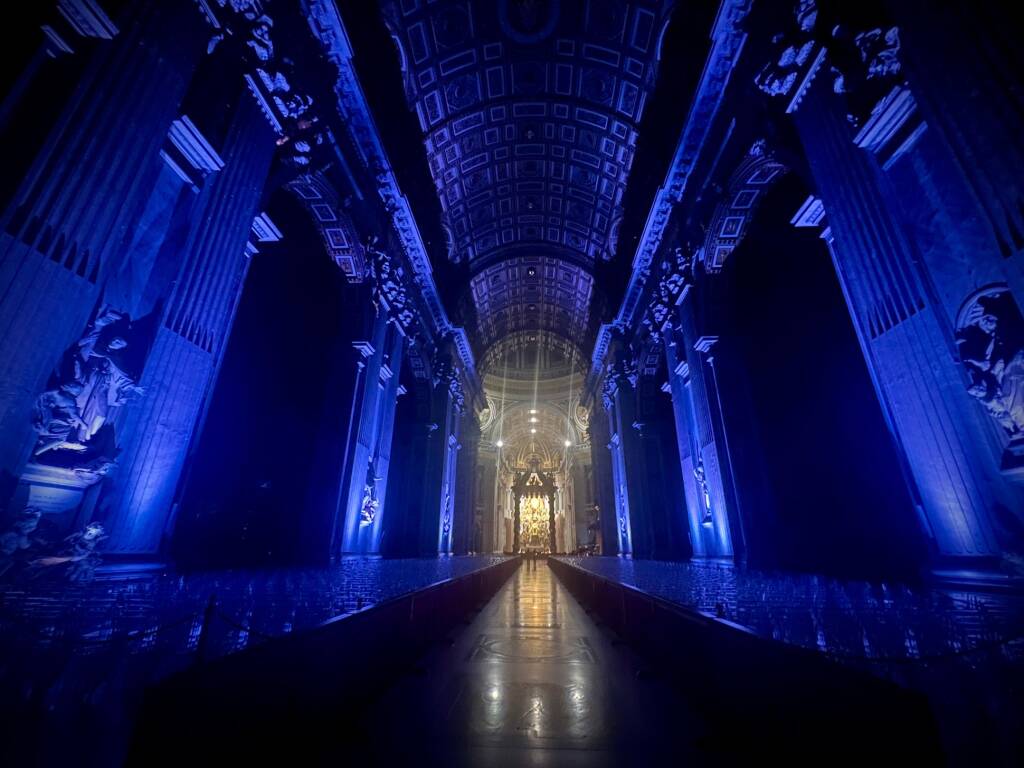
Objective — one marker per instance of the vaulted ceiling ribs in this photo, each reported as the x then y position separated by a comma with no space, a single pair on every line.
529,110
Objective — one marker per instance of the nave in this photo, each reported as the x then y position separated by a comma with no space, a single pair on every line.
532,680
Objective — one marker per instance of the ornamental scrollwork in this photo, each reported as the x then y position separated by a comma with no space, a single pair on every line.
390,294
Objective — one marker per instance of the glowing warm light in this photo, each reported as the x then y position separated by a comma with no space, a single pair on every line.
533,431
568,443
500,443
533,410
534,522
533,419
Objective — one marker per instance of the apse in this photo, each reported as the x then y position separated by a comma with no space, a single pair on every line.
535,430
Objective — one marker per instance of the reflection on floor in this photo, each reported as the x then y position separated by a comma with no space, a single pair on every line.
962,649
532,681
76,655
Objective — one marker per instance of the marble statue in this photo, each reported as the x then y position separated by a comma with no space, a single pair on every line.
57,416
370,504
990,333
105,385
79,554
18,539
94,385
705,494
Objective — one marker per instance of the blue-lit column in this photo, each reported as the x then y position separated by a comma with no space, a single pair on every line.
70,222
603,477
716,528
183,361
660,512
486,492
963,63
413,440
907,339
372,431
618,396
449,473
710,535
465,485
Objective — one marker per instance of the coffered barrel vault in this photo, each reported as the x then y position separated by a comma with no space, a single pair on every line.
530,115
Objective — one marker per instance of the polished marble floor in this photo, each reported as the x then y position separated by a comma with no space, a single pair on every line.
533,681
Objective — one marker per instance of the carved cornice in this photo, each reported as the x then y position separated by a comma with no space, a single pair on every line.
447,375
189,154
894,126
756,173
390,295
864,65
337,231
728,39
354,110
84,18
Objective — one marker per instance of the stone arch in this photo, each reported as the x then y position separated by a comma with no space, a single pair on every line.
339,235
754,176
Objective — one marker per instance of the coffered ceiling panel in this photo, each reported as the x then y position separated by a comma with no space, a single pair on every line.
529,111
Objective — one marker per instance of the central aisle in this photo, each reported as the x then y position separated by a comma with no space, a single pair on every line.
531,681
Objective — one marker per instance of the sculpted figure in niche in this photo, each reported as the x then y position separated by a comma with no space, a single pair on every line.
91,384
705,493
20,538
100,370
80,554
990,334
370,505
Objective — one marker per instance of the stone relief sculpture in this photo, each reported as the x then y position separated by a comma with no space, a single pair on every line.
990,334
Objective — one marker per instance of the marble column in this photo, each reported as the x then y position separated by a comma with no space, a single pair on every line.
714,500
963,63
465,502
434,508
620,407
183,361
658,514
708,523
370,443
415,433
449,476
907,339
322,523
69,223
603,477
487,493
